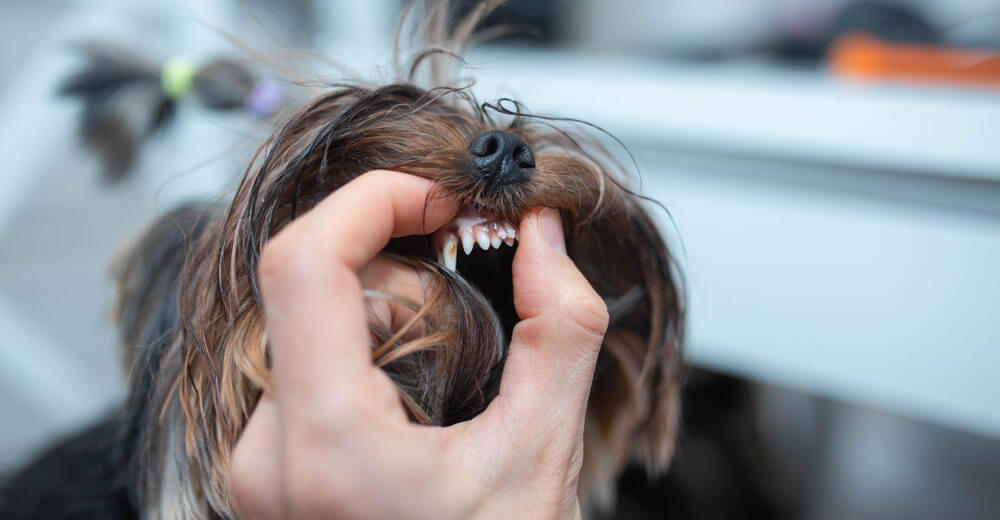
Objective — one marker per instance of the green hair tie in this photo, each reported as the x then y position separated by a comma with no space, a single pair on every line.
177,77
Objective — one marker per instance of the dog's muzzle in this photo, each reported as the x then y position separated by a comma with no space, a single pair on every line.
501,159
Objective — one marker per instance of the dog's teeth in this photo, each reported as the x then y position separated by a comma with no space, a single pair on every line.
502,232
495,242
467,241
449,252
483,239
511,231
451,257
509,241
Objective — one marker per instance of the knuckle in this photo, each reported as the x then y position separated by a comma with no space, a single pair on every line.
380,173
278,258
329,422
374,178
313,487
588,311
290,258
242,485
251,491
240,471
595,315
370,174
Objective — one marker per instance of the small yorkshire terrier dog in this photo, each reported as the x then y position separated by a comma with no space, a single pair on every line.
189,309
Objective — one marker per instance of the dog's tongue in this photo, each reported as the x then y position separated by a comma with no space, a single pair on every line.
471,229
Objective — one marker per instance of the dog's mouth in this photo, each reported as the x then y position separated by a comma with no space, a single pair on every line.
467,231
480,249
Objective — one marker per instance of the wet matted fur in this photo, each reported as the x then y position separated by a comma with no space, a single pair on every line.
190,310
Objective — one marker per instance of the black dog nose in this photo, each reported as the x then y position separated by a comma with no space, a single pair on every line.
501,158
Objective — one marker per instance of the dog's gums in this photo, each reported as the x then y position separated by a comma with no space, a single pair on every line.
470,228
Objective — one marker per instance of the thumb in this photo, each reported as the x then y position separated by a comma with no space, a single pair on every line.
553,350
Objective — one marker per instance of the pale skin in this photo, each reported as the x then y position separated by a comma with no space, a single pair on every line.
331,438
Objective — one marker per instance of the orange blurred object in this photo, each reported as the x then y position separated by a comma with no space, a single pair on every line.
859,55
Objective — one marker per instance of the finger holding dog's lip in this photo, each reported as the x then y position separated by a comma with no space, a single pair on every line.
313,301
355,222
330,403
554,347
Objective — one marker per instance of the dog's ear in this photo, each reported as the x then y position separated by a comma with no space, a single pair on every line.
635,400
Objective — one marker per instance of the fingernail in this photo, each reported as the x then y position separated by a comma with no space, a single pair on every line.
551,228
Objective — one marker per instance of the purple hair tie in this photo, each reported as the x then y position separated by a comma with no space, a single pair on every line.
264,99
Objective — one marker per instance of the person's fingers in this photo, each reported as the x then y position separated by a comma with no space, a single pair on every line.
254,471
356,221
313,304
550,366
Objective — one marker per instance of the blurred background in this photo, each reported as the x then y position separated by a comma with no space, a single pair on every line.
831,167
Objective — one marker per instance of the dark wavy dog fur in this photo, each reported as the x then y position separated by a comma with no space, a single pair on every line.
190,311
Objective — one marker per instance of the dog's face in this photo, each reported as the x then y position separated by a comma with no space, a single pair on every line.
448,367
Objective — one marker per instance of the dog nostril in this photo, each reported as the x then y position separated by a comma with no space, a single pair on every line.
501,158
523,156
485,147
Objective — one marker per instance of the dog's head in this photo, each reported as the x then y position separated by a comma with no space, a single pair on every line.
496,161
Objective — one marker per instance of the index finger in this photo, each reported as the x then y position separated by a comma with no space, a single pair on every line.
313,301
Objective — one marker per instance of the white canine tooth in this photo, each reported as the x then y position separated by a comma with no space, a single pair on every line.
449,252
467,241
495,242
502,232
451,256
483,239
509,241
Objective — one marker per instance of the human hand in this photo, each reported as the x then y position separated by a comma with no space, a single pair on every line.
331,440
